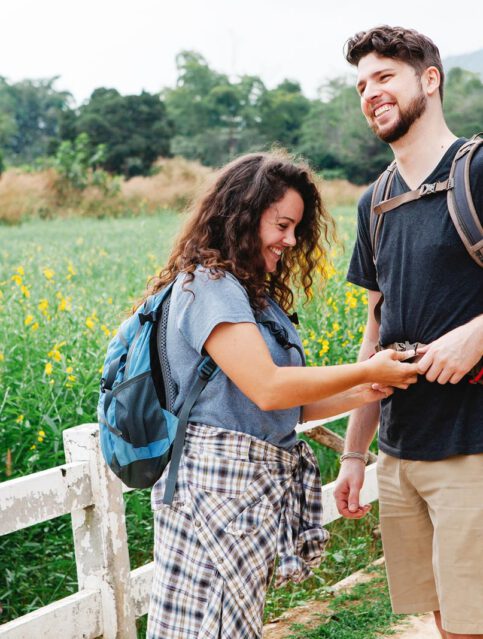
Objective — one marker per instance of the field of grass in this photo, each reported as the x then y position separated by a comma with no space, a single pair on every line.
65,285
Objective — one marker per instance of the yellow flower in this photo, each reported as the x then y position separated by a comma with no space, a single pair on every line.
305,342
33,447
48,273
25,291
330,270
69,369
335,326
43,305
35,326
41,433
325,348
28,320
109,300
71,378
90,323
105,330
48,368
17,279
40,439
64,304
55,354
20,270
19,419
71,269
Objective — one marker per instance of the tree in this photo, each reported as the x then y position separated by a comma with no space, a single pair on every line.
134,129
335,135
463,103
214,118
282,111
31,112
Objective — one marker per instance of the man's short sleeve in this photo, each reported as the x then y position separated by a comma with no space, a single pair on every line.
362,271
206,302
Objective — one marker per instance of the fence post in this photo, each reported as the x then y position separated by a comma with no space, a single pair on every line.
100,538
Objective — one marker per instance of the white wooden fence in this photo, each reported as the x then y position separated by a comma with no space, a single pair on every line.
110,595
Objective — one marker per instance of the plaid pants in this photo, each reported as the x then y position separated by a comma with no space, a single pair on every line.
239,503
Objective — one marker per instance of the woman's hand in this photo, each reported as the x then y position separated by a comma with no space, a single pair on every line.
374,392
387,368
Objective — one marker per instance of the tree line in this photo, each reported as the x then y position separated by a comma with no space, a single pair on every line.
211,118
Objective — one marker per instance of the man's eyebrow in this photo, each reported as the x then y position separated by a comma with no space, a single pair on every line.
377,73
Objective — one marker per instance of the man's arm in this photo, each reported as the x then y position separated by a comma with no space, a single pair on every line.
360,432
450,357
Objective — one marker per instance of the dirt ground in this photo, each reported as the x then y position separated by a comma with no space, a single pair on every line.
413,627
308,614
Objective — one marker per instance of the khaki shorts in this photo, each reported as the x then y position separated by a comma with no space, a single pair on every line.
432,531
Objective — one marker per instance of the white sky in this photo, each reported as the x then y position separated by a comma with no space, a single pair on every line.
131,44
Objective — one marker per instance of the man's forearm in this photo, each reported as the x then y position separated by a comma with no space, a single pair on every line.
364,420
362,428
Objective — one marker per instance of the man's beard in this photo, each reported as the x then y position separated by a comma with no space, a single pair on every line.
413,111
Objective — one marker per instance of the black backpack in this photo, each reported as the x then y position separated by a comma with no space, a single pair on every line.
460,202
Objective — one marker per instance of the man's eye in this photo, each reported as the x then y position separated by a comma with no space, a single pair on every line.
282,227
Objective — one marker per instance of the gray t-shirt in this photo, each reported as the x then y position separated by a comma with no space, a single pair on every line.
195,311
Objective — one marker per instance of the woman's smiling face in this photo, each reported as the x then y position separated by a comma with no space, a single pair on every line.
277,227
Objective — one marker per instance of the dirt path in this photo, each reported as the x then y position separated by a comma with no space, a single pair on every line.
413,627
309,614
417,627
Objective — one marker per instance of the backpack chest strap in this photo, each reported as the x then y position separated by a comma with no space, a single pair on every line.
423,191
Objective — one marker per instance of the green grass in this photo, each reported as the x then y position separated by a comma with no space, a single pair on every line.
363,613
65,285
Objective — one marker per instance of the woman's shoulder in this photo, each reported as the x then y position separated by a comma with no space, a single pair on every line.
205,285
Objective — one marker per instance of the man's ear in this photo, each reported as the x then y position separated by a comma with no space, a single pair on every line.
431,79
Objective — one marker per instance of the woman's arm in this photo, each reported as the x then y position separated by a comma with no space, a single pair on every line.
346,401
240,351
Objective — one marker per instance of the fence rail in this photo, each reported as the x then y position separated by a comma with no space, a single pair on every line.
111,595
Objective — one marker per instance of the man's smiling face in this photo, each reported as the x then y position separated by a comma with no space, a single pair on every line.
392,97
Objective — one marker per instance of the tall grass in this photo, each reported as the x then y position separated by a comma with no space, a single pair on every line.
174,184
64,287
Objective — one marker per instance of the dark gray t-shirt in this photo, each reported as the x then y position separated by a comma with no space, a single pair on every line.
430,285
195,311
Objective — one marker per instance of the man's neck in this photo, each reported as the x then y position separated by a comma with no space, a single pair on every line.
419,151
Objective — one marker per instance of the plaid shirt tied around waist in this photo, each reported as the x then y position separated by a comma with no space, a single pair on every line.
239,503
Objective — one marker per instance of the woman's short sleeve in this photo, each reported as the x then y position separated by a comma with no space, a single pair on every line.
205,302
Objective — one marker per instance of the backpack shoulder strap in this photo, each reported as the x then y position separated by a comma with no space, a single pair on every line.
460,201
382,189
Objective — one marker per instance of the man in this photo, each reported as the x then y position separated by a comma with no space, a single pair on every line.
428,290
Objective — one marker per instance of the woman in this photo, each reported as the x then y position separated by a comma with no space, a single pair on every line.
247,490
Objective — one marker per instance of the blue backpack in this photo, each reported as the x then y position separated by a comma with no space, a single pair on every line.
138,431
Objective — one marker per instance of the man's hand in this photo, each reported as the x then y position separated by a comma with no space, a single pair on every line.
450,357
348,487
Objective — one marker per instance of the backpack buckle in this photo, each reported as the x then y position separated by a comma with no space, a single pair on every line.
206,368
427,189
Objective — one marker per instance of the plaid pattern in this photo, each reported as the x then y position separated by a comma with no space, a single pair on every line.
239,502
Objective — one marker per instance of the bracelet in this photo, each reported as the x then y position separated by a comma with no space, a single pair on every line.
353,455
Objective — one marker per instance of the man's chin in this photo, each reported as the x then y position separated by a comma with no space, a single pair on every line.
389,134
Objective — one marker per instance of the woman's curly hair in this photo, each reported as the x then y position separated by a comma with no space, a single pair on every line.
222,232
